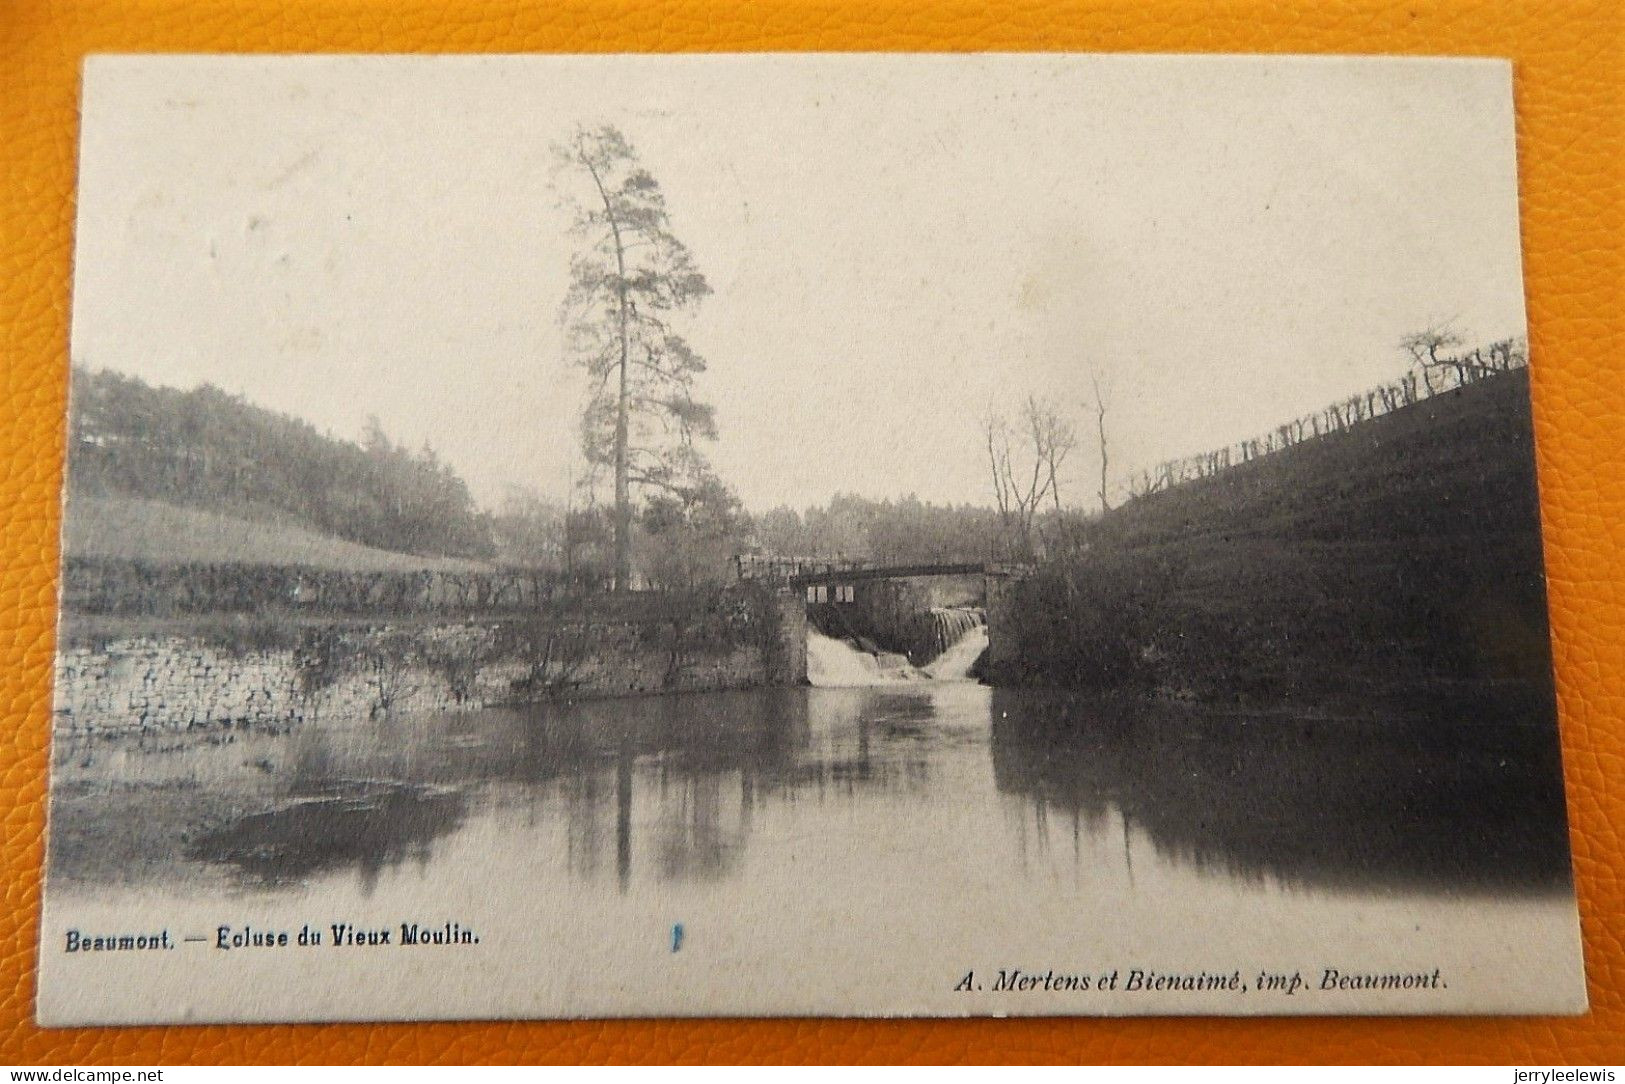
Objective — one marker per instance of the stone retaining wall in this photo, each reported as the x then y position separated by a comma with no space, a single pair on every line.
176,683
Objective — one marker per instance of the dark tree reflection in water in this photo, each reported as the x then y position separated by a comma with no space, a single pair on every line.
1430,801
704,789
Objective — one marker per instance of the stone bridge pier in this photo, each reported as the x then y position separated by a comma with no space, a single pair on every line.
1001,647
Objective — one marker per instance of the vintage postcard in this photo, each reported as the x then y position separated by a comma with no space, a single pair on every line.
801,534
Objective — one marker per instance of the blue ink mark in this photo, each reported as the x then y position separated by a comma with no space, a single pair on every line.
677,937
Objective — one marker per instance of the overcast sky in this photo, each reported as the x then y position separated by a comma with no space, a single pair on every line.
895,244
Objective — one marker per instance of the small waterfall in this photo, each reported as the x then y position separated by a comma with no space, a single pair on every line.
833,663
947,626
837,664
955,663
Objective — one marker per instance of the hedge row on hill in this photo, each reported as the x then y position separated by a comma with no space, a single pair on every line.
122,587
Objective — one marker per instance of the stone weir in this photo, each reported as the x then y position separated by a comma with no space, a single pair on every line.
920,617
947,625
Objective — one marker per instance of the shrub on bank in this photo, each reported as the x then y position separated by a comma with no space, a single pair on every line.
1099,622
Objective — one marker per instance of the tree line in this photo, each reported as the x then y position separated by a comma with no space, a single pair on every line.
881,532
209,449
667,520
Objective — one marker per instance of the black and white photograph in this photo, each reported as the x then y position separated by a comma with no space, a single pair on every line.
811,535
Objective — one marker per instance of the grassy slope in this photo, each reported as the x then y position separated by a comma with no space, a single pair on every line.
159,533
1407,548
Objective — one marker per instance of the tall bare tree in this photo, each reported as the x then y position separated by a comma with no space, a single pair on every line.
1425,348
1025,460
628,278
1440,348
1054,437
1100,430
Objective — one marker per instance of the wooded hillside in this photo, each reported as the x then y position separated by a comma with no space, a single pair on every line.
209,450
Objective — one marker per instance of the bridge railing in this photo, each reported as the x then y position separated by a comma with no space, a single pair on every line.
776,569
800,572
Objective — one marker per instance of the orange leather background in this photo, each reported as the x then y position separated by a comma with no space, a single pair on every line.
1569,59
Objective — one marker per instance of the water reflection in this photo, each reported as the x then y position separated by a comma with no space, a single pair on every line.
1430,800
694,789
365,827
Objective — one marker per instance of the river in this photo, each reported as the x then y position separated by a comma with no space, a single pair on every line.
821,850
